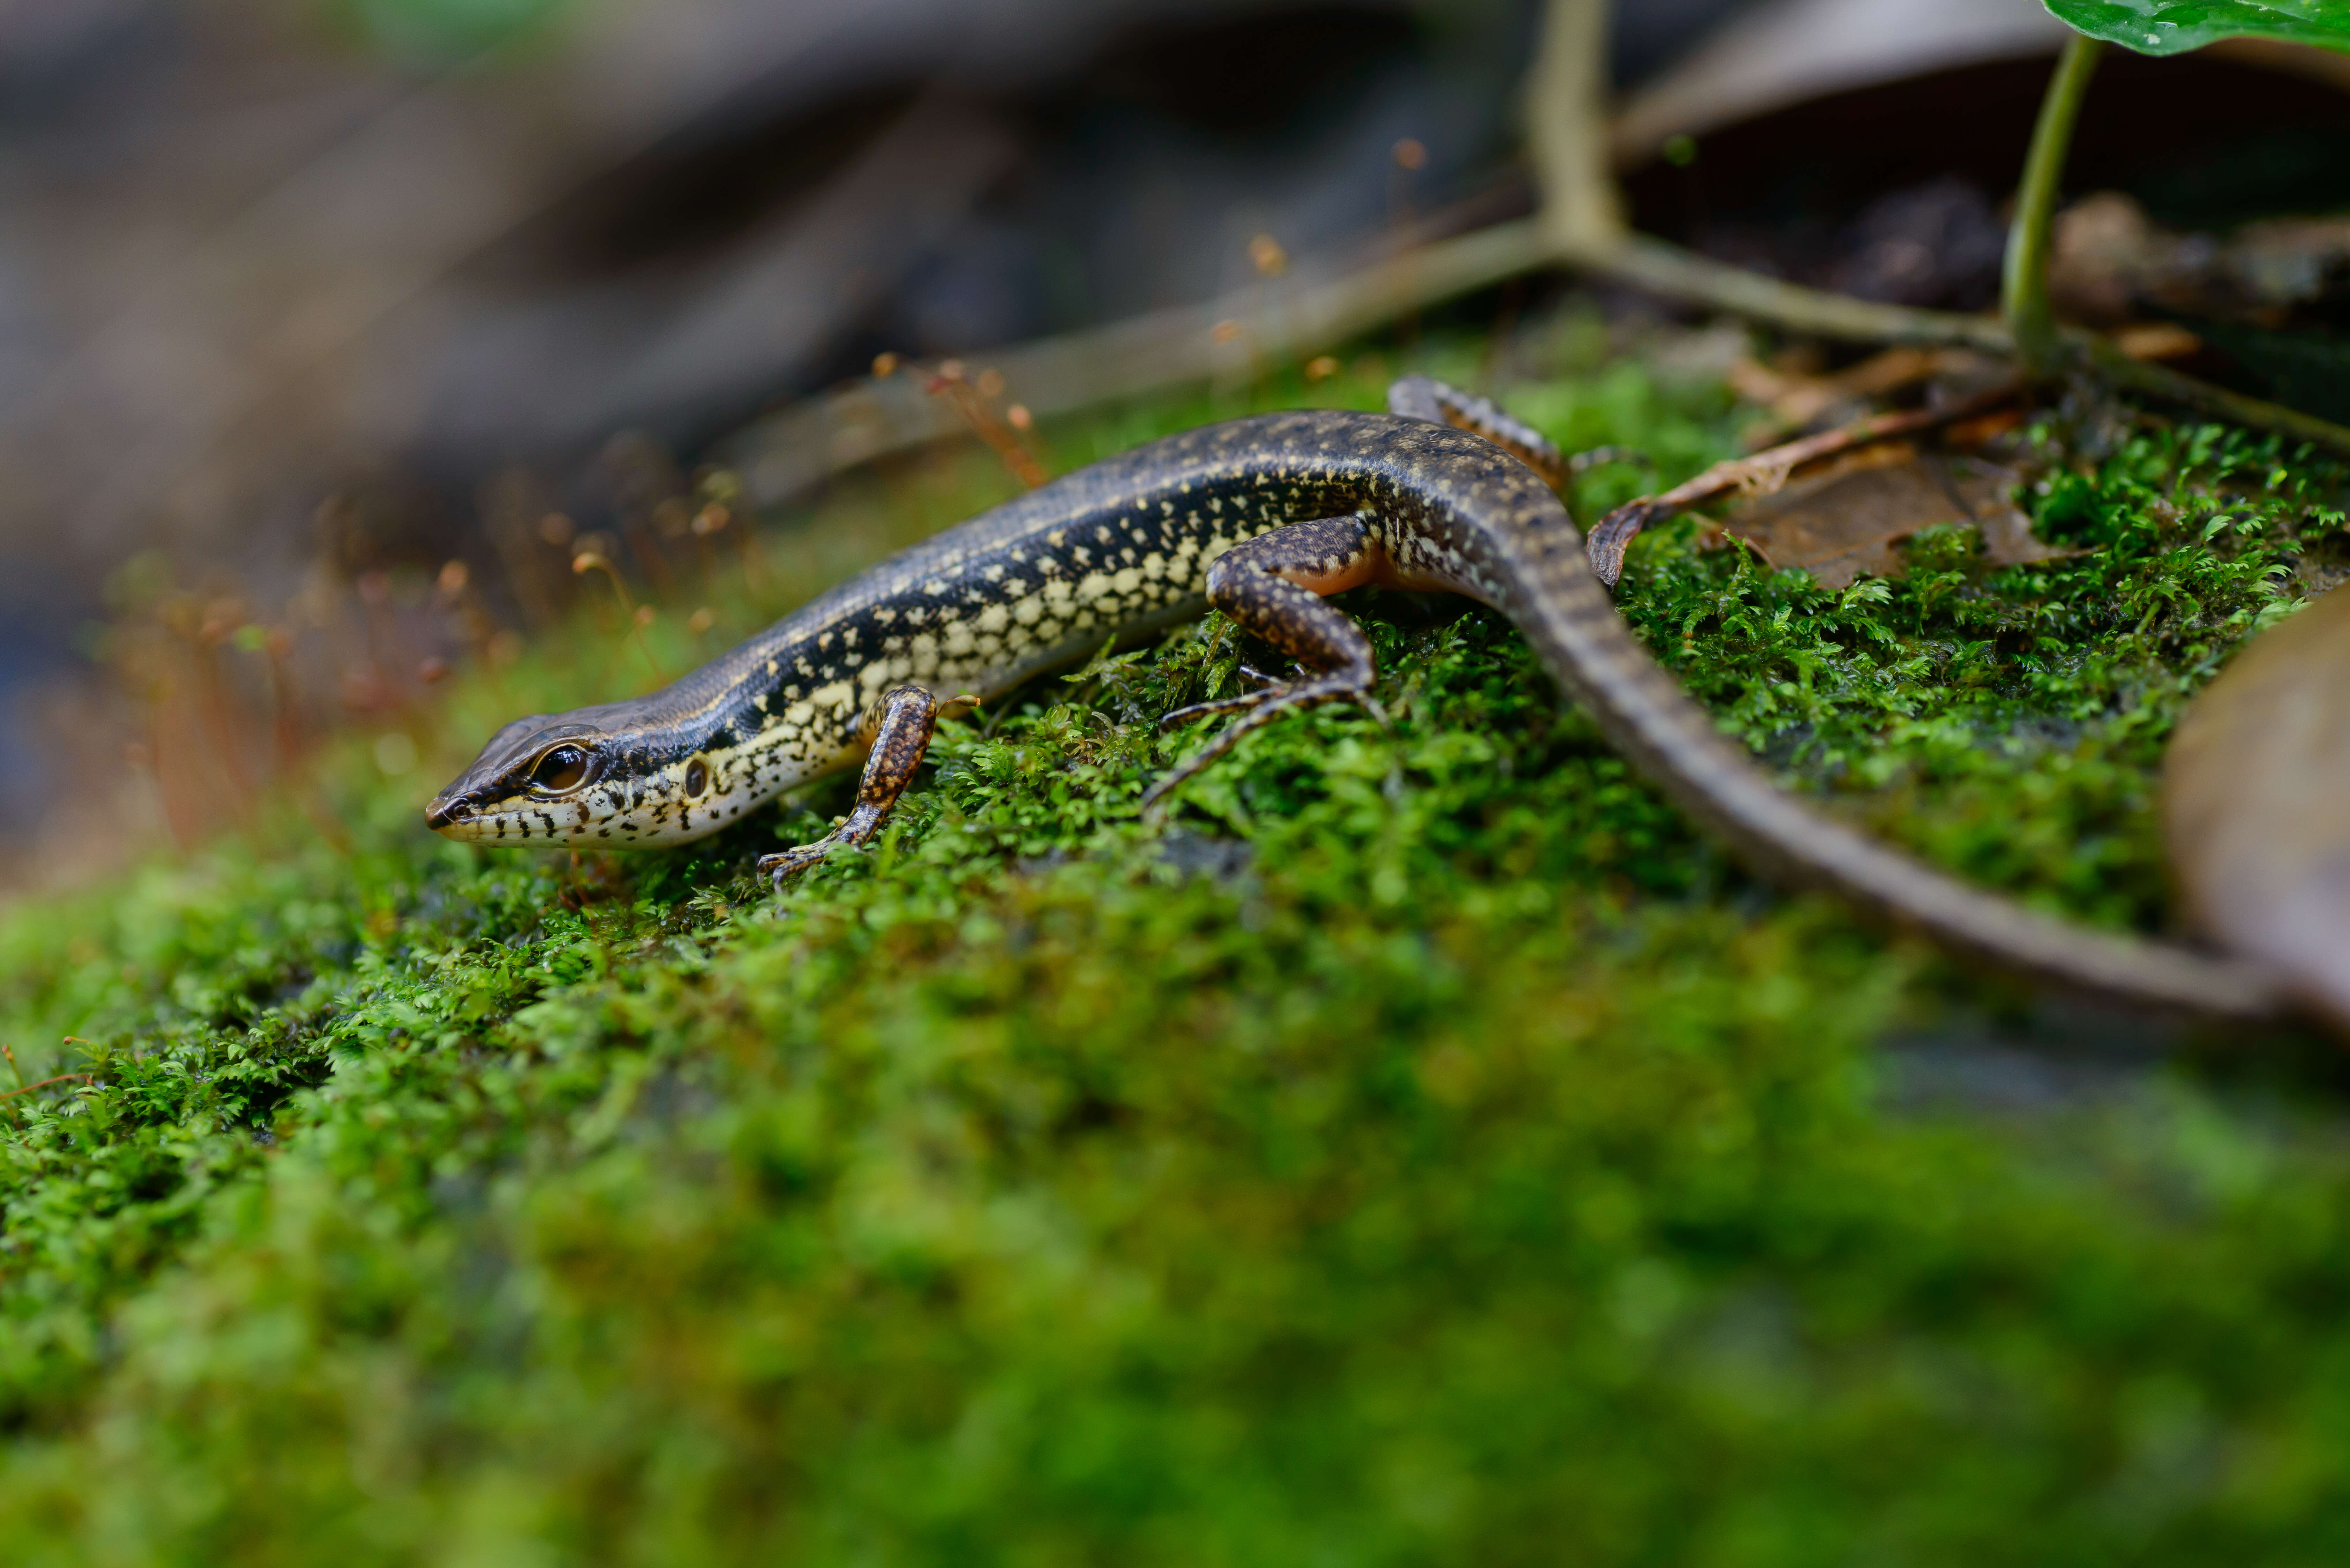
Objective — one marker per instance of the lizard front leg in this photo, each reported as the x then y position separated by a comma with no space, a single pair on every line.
901,723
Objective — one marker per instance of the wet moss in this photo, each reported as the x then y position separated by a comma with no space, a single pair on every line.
1425,1148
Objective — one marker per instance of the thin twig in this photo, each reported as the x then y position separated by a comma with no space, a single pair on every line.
1668,270
45,1082
634,618
1566,115
951,384
2162,381
1292,316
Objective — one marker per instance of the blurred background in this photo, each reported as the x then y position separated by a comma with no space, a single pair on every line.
327,327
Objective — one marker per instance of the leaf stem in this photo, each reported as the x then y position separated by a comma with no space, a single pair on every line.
2024,292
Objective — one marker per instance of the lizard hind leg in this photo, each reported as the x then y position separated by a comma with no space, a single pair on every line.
900,725
1439,403
1271,587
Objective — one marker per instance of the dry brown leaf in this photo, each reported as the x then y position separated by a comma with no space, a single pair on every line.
2157,340
1850,517
1797,398
2256,804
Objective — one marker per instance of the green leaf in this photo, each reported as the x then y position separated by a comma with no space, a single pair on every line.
2174,27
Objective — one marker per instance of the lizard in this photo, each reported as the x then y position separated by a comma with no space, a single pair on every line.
1262,517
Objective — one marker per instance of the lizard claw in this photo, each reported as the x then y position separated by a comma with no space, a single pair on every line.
785,865
1343,686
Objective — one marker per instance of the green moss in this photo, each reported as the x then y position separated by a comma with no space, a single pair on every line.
1428,1148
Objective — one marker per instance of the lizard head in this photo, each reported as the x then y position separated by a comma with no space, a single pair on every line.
591,778
538,778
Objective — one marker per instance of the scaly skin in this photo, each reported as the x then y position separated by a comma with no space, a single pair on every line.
1127,546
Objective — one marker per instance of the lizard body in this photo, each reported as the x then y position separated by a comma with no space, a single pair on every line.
1262,517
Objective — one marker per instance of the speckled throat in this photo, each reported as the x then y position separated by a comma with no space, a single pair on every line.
1125,546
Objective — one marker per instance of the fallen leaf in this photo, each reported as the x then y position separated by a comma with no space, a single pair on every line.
1796,399
2157,340
1851,518
2256,804
2008,539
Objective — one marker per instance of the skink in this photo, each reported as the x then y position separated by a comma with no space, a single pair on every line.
1260,517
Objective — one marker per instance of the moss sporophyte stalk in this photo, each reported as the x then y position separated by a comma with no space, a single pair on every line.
1427,1147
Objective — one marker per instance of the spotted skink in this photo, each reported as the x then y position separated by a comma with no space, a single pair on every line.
1261,517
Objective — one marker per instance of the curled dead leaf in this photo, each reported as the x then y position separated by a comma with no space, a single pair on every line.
2256,805
1850,517
1813,456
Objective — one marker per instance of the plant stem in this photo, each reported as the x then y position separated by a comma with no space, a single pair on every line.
2024,295
1677,274
2162,381
1566,113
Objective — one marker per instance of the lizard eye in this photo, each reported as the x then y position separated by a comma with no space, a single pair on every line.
697,778
562,768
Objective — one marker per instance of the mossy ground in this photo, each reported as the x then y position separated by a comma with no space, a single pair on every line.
1426,1149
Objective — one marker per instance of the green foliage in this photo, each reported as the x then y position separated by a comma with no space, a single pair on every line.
1426,1148
2009,723
2174,27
